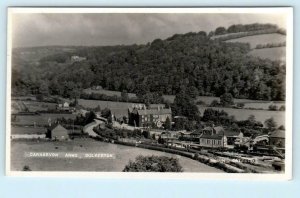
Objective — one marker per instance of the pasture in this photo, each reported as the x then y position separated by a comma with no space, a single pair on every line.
41,119
27,130
243,114
108,92
32,106
119,109
275,53
122,156
255,104
260,39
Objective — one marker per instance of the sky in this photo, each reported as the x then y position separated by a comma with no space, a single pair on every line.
38,29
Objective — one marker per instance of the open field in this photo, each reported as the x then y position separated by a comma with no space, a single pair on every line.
275,53
41,119
258,104
260,39
32,106
123,155
108,92
117,108
243,114
27,130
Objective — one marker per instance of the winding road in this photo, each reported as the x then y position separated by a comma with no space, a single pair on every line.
89,127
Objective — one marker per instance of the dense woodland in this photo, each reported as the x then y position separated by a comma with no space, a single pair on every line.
192,62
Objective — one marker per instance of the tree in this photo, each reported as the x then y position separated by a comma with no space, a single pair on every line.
89,117
192,92
168,123
270,124
220,30
26,168
185,106
226,99
124,96
153,164
106,113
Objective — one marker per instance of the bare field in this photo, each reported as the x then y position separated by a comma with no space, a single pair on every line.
123,155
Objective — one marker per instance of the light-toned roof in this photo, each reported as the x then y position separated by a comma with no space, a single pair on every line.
278,134
155,106
218,129
56,126
154,111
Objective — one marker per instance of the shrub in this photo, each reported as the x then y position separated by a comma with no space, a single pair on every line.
26,168
153,164
273,107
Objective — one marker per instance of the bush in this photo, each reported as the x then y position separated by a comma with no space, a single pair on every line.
273,107
26,168
153,164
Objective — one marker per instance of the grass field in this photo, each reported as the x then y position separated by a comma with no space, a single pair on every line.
123,155
108,92
258,104
117,108
260,115
32,106
41,119
27,130
275,53
260,39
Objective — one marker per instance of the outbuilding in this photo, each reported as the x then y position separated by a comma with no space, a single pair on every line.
57,132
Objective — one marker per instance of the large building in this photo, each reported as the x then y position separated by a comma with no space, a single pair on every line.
155,114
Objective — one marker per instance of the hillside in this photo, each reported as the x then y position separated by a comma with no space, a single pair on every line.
191,61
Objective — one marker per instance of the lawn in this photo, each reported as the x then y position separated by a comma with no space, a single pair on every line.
122,156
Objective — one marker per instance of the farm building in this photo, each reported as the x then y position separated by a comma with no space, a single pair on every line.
57,132
140,116
216,137
65,106
213,141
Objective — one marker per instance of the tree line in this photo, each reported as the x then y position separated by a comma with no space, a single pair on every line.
189,61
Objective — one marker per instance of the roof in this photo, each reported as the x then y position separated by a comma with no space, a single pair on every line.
155,106
57,125
218,137
196,133
278,134
232,133
218,129
154,111
207,128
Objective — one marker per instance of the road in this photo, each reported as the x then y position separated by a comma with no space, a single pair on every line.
89,128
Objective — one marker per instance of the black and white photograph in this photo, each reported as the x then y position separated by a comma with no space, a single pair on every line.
134,92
